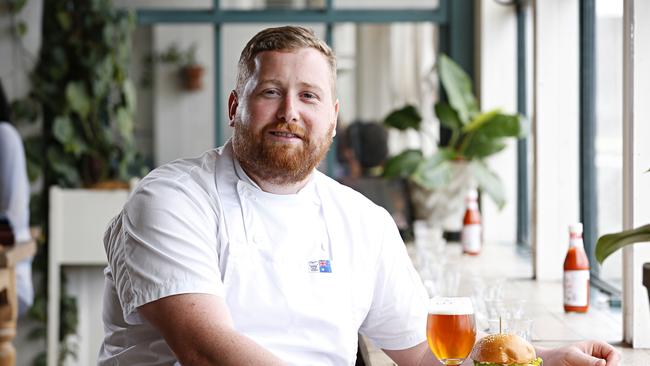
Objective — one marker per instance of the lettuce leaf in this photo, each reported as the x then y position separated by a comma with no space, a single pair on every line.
537,362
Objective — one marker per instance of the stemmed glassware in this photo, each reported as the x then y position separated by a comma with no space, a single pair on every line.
451,329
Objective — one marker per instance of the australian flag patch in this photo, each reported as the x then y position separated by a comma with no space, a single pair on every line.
320,266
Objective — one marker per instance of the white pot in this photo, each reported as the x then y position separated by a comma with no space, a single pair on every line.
444,207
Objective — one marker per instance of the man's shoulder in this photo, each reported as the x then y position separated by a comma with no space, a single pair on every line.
193,178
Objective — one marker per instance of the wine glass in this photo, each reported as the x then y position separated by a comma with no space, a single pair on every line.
451,329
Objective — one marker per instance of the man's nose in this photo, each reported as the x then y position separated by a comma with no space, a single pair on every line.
287,111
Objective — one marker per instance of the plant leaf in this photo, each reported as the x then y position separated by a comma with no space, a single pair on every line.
124,124
77,98
448,116
62,129
482,146
489,182
496,125
129,95
609,243
480,119
403,164
458,87
64,20
404,118
435,171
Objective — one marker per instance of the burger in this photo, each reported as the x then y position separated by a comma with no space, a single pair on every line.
504,350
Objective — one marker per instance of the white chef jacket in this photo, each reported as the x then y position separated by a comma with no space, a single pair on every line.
14,205
190,227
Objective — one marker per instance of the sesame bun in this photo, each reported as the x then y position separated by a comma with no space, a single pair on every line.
503,349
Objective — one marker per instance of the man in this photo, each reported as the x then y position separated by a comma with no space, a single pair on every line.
247,255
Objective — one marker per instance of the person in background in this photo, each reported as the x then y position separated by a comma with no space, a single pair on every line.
14,198
247,255
362,150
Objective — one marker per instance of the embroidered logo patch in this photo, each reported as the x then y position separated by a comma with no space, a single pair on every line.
320,266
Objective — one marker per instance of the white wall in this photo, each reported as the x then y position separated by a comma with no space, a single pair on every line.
636,195
497,88
555,128
184,120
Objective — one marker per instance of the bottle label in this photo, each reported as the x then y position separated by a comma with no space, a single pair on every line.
576,288
470,237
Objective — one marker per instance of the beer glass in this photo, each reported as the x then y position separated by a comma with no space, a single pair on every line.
451,330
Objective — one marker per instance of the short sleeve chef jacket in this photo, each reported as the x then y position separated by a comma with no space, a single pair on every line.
189,228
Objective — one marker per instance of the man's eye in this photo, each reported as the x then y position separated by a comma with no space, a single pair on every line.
308,95
271,92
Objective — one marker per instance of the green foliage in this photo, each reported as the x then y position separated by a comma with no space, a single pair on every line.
81,90
475,135
609,243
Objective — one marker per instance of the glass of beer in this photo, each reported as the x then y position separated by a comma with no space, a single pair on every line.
451,330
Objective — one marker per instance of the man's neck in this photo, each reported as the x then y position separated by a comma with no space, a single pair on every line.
270,187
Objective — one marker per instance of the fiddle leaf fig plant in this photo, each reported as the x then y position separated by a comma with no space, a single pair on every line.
475,135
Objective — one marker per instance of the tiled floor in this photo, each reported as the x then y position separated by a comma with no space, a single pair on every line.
552,327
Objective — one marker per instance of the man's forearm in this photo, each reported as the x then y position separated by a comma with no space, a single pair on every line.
230,348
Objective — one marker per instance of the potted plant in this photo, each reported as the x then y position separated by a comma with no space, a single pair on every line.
440,181
189,70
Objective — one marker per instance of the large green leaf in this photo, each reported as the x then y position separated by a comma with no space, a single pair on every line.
608,244
63,130
458,87
448,116
495,125
124,124
435,171
77,98
480,119
402,165
481,146
64,166
404,118
128,89
489,182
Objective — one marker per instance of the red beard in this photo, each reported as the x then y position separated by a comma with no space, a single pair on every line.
279,163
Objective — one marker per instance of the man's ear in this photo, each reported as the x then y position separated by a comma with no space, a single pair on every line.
233,103
336,117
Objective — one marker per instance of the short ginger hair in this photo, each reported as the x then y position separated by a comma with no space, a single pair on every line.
287,38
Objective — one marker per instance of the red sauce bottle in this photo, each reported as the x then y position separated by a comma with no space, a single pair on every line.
470,236
576,273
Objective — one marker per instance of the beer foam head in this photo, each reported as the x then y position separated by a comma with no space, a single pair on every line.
451,306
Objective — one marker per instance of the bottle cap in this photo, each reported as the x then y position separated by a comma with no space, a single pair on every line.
472,195
575,228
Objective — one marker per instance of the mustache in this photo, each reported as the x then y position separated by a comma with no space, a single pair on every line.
287,127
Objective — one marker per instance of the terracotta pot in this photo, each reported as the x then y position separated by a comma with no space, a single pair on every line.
193,77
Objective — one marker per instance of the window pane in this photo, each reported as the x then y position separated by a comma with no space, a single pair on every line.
386,4
609,138
271,4
164,4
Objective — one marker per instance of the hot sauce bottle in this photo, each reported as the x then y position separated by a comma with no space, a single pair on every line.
470,236
576,273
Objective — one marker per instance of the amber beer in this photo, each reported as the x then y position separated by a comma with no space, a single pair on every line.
451,331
